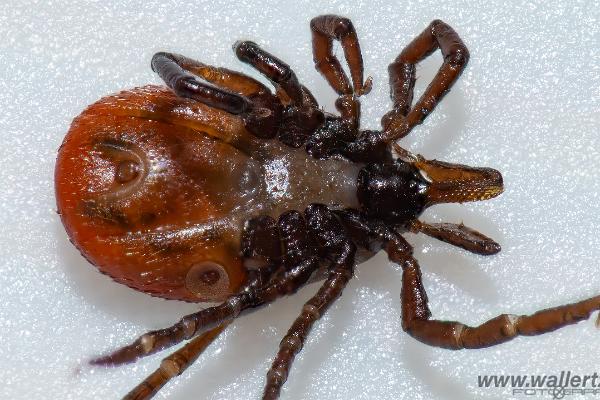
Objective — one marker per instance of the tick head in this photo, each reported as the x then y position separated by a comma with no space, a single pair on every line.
456,183
399,191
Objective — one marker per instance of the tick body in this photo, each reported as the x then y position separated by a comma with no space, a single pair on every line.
218,188
159,204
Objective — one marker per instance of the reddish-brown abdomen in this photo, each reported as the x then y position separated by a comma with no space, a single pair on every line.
149,187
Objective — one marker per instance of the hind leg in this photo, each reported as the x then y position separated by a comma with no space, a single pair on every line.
237,94
174,365
233,81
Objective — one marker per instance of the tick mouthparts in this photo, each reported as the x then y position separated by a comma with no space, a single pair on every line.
456,183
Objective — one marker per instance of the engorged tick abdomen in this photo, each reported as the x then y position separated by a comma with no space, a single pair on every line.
154,190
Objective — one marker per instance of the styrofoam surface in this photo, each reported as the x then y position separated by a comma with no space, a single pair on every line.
528,105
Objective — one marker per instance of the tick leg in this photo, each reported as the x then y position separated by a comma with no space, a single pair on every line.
231,80
400,121
188,327
296,335
169,68
289,90
173,365
325,227
260,111
455,335
458,235
301,114
278,72
325,29
210,318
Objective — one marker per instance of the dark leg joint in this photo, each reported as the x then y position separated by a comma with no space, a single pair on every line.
297,244
331,138
332,25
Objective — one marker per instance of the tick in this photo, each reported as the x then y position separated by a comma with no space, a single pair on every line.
218,188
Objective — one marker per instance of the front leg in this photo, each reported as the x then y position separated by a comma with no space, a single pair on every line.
417,322
457,235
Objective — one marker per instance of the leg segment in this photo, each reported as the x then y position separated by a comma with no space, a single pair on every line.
261,111
454,335
301,114
336,136
169,68
329,232
173,365
458,235
364,231
294,339
278,72
325,29
188,327
399,122
231,80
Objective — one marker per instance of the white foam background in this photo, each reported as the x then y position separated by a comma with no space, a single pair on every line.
528,105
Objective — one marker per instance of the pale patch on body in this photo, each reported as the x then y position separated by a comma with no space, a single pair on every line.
291,179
